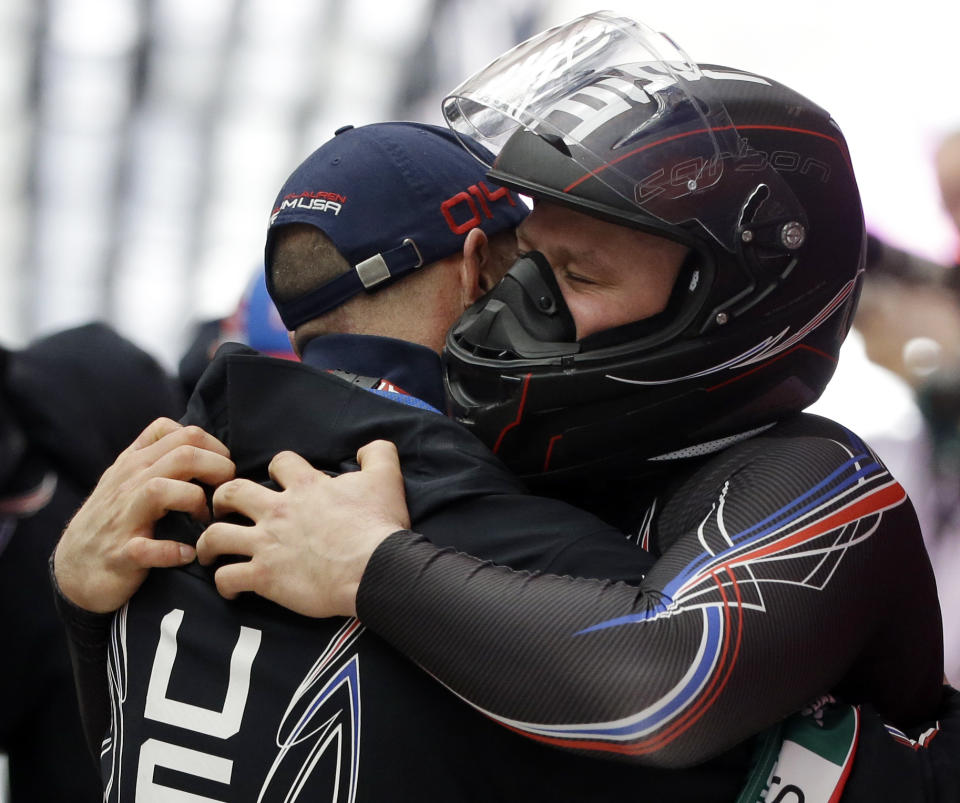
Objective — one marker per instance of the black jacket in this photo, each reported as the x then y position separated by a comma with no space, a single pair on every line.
228,699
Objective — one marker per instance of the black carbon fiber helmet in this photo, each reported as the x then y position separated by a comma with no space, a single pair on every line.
610,119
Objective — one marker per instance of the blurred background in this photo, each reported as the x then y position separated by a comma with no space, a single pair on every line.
144,141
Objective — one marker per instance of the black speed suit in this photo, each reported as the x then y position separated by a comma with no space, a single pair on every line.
231,700
789,564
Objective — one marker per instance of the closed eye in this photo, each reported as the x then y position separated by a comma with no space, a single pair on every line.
577,278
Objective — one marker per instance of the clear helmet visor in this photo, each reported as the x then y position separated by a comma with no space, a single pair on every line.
632,110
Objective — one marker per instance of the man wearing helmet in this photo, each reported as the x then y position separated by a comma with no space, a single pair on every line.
693,265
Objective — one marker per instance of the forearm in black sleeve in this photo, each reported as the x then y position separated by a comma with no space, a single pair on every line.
745,619
87,639
519,647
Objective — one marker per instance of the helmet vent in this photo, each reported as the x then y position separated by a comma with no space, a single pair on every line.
753,204
556,141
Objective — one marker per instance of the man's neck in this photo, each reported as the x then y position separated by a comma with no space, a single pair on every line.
411,368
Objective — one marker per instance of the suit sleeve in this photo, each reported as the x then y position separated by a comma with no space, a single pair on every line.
87,636
789,575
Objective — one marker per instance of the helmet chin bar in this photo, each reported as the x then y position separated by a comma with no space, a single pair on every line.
523,317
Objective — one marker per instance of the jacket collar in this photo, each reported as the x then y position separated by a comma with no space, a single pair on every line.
412,368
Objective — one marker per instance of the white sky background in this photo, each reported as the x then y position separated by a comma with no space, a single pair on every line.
152,216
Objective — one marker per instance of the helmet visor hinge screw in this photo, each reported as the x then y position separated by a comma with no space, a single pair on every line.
793,235
746,235
722,318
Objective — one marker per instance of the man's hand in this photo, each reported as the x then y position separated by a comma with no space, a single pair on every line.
106,550
310,543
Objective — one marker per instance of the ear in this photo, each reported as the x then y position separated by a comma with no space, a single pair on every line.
475,268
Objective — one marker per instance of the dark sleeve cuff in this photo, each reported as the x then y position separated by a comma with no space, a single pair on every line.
388,566
86,629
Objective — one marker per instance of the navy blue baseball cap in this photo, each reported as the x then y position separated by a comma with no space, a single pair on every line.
392,197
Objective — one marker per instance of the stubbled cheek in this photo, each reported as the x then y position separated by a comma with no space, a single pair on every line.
580,319
590,320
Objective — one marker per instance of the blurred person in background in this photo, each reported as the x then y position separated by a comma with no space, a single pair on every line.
908,313
69,404
947,166
254,322
894,355
908,324
936,363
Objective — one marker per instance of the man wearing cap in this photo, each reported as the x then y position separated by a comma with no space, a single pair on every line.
233,700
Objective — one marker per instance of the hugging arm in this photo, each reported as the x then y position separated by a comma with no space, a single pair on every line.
770,593
761,603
